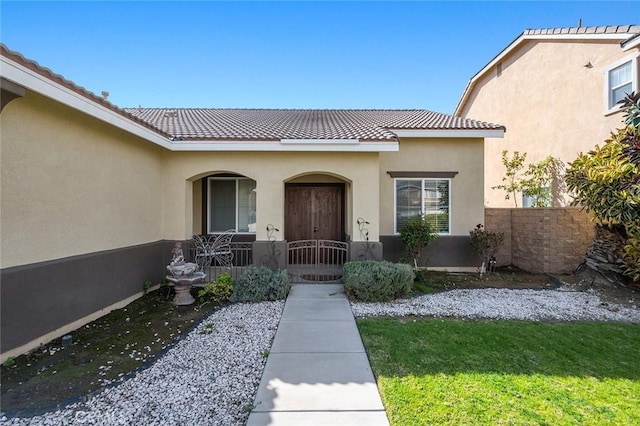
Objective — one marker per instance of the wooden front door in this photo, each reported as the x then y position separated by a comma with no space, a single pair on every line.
314,212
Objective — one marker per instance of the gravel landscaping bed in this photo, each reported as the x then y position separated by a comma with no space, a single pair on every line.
562,304
211,375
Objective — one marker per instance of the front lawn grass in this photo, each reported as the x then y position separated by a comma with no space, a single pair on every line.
446,371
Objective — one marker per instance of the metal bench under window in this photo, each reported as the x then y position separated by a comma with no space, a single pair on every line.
215,248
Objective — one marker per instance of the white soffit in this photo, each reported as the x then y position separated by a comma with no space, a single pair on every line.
633,42
460,133
49,88
319,141
278,146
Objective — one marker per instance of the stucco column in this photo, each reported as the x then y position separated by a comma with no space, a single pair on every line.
365,237
177,206
366,200
270,208
188,209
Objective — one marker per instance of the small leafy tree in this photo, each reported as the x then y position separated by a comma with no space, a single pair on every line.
540,179
512,182
416,234
606,182
485,243
537,181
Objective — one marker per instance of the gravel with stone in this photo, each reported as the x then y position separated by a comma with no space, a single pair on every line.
562,304
211,376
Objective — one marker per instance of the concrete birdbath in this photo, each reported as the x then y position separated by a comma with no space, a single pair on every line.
183,275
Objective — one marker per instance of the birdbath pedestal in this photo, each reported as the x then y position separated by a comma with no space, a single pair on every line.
183,275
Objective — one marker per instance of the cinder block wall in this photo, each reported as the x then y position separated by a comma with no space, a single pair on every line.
551,240
499,220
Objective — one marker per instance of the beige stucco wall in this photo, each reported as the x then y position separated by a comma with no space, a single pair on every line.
550,103
72,185
464,156
270,171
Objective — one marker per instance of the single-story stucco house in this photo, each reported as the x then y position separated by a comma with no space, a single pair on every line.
93,196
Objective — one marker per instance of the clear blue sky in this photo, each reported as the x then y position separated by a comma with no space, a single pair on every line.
283,54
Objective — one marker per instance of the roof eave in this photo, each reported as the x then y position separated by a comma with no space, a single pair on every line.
631,42
36,82
286,145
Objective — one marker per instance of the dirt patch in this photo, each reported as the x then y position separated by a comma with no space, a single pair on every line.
103,352
609,291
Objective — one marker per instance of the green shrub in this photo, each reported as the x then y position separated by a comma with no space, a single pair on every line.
605,183
373,281
258,284
217,292
416,233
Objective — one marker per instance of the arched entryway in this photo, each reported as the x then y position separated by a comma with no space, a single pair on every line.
315,217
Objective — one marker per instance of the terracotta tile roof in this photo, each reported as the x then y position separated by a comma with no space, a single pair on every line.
191,124
276,124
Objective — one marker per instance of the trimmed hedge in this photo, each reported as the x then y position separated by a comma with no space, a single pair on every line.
258,284
373,281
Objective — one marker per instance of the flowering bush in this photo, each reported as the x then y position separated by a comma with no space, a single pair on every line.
486,243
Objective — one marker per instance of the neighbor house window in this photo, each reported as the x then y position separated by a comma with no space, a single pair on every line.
231,204
429,197
621,79
541,200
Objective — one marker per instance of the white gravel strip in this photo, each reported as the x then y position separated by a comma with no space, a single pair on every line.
555,305
210,377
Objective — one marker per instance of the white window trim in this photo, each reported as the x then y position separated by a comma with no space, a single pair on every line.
634,81
236,179
421,180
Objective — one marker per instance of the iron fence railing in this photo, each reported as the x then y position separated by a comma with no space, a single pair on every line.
317,261
242,258
313,261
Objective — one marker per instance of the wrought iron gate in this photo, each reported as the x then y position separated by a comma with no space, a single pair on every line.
317,261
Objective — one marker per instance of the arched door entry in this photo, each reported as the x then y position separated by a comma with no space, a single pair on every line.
314,212
314,229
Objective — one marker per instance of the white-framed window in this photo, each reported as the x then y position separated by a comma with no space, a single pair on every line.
541,200
231,204
429,197
621,78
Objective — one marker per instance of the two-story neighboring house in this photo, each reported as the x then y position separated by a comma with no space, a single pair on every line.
556,91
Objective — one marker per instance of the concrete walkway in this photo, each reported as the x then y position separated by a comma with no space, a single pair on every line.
317,372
